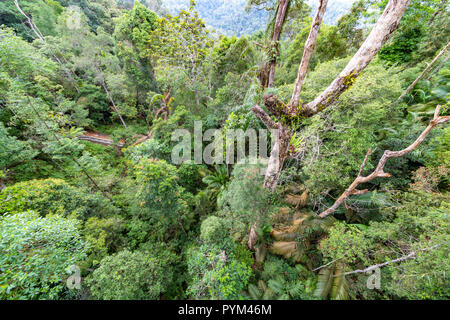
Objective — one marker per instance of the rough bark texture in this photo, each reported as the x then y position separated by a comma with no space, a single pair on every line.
379,170
264,117
278,155
280,150
429,66
385,26
307,52
279,21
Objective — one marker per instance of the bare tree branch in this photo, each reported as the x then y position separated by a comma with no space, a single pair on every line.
424,72
38,33
411,255
29,21
278,26
264,117
385,26
438,11
324,266
379,170
307,52
103,83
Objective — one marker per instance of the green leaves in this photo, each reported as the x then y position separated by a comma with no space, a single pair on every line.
35,253
129,276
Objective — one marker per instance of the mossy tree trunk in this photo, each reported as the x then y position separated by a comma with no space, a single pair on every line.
286,115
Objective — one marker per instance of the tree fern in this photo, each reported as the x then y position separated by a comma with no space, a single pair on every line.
332,284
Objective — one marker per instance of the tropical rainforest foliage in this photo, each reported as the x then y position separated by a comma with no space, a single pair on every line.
92,91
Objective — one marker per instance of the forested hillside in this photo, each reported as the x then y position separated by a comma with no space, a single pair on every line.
235,17
144,157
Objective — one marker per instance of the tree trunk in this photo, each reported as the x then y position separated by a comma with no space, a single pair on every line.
283,6
278,155
307,52
385,26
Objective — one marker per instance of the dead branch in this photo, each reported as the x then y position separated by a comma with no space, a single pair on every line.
438,11
436,70
379,170
38,33
411,255
264,117
325,265
307,52
142,138
424,72
108,94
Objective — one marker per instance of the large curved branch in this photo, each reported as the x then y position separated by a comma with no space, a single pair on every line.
277,28
307,52
379,170
264,117
385,26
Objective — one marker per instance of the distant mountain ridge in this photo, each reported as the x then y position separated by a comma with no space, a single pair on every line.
229,17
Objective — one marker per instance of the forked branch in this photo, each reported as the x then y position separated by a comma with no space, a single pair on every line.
379,170
29,21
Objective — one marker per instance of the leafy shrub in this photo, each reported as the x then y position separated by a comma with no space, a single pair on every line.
189,176
128,276
161,205
245,196
53,196
214,229
216,273
35,254
105,237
